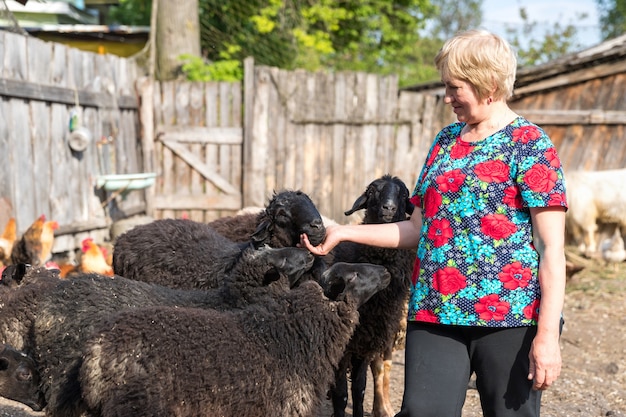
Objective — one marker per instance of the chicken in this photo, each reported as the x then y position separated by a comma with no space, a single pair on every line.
613,251
35,245
94,258
7,240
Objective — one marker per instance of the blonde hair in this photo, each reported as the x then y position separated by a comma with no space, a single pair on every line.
481,58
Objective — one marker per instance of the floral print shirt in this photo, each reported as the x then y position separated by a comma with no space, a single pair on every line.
476,264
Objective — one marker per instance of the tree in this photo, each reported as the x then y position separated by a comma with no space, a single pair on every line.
178,32
612,16
534,49
454,16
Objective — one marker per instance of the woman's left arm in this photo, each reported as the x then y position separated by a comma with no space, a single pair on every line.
545,353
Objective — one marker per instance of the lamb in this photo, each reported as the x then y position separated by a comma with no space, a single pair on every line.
287,215
385,200
19,379
185,254
594,197
273,358
49,318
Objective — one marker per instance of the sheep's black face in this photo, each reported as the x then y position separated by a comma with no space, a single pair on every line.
19,379
386,200
290,262
294,213
356,282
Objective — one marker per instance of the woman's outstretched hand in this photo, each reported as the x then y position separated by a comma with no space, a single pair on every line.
330,241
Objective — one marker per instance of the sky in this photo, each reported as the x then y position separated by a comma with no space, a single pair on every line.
498,14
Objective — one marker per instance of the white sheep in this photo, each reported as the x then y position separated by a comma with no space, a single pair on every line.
594,197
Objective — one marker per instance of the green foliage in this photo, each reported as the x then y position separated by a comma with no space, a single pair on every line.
533,48
130,12
196,68
612,15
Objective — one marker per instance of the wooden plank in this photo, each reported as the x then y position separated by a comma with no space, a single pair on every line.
569,117
30,91
201,134
203,202
199,165
196,118
569,78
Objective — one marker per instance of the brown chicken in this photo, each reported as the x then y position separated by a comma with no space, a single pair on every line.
35,245
93,258
7,240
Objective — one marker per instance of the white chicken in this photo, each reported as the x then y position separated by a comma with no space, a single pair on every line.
613,251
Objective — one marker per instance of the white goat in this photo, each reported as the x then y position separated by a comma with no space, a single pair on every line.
594,197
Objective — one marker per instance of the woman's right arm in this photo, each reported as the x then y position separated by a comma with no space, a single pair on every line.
402,235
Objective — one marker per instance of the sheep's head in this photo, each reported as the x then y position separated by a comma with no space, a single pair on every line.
354,282
270,264
286,217
19,379
386,200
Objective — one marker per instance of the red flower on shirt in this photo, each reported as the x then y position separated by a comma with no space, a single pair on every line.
492,171
449,280
427,316
433,155
531,311
490,307
514,276
552,157
432,201
416,270
450,181
440,232
557,199
540,178
525,134
512,197
497,226
459,151
416,200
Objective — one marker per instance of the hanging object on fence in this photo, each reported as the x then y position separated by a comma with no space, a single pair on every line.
80,136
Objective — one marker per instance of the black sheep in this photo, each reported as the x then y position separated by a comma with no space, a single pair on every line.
385,200
273,358
49,318
183,253
19,378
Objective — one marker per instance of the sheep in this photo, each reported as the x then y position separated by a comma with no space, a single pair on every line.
594,197
287,215
183,253
385,200
19,378
49,318
273,358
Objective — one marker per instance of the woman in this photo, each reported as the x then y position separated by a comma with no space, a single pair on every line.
484,298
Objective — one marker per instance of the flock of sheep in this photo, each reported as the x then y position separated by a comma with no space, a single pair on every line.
228,318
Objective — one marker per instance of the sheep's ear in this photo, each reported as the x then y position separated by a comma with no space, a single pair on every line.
262,233
13,274
410,207
359,204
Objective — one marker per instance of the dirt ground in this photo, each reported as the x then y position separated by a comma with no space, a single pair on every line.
593,378
593,343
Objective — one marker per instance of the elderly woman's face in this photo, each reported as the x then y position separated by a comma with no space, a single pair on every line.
461,96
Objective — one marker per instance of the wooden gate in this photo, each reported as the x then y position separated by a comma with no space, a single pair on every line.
196,147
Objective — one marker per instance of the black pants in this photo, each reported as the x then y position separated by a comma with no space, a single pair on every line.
440,360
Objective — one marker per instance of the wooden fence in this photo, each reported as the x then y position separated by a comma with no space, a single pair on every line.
42,85
330,134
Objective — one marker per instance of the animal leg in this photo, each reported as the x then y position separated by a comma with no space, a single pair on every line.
359,382
381,375
339,392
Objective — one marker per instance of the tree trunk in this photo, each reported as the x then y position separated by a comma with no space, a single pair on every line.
177,32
